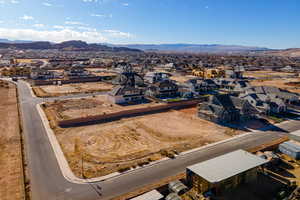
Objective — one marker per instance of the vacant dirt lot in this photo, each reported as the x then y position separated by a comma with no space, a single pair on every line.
266,74
283,83
101,72
75,108
56,90
182,79
11,178
128,143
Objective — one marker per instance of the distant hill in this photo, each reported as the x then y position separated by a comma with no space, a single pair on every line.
195,48
14,41
295,52
74,45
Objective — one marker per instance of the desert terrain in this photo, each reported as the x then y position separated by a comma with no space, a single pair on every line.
182,79
74,88
100,72
290,84
11,174
283,80
266,74
294,52
90,106
132,142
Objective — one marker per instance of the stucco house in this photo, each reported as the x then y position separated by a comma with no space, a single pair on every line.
77,72
153,77
125,94
163,89
42,74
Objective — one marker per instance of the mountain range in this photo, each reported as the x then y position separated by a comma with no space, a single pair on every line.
195,48
83,46
74,45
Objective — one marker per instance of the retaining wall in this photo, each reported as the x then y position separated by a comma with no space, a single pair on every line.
128,113
67,81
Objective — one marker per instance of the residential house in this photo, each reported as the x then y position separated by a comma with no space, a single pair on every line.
42,74
287,69
153,77
225,108
77,72
163,89
123,94
201,86
265,104
232,85
236,73
274,93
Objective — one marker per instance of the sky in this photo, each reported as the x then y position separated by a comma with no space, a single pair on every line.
264,23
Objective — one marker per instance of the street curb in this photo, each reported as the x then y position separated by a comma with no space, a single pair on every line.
63,163
69,175
30,89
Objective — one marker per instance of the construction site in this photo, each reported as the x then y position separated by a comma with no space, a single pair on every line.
100,137
90,106
73,88
130,142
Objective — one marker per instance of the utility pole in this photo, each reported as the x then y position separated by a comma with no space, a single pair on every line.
82,168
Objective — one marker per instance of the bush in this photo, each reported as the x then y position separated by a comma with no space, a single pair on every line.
167,154
123,169
141,164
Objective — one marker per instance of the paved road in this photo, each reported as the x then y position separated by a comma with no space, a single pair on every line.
47,182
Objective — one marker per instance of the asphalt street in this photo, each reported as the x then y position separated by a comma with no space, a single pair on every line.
47,181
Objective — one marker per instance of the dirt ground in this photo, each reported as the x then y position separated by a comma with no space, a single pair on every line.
266,74
74,88
182,79
75,108
11,177
128,143
100,72
282,83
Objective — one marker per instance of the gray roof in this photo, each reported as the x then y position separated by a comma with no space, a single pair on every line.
227,165
297,133
177,186
152,195
239,68
173,196
122,89
292,145
229,102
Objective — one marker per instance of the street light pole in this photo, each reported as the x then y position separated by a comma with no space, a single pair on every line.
82,168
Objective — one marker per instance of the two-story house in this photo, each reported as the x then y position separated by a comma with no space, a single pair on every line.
226,109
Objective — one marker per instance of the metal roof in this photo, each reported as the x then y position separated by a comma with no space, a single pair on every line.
152,195
297,133
292,145
177,186
173,196
227,165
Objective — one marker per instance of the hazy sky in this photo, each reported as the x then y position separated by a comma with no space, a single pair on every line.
266,23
